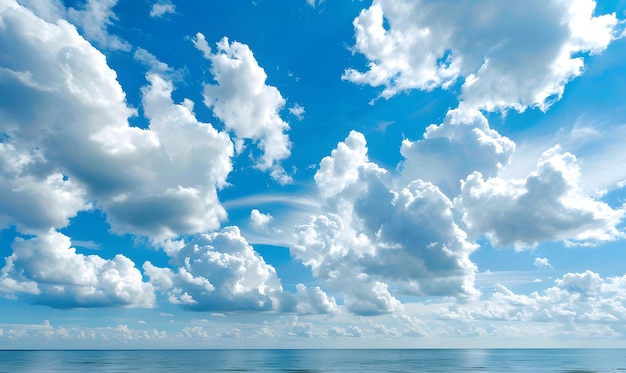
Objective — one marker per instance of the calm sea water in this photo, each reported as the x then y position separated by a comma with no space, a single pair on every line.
560,360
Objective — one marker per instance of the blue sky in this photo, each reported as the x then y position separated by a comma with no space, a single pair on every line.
306,174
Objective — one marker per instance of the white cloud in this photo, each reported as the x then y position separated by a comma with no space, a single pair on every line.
297,110
596,143
299,329
150,60
222,272
260,220
448,152
178,191
505,63
94,20
342,168
576,298
48,271
350,331
542,263
34,203
374,238
158,182
548,205
314,3
161,8
247,106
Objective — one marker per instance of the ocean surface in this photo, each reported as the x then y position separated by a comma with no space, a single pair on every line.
472,360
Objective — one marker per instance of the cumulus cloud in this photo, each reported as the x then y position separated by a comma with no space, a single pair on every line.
247,106
161,8
542,263
260,220
222,272
350,331
487,45
94,20
450,151
547,205
576,298
158,182
296,328
178,194
34,203
47,270
374,237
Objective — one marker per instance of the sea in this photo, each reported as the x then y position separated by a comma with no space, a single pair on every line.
457,360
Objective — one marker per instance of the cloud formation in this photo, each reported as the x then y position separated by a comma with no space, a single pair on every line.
161,8
221,272
449,152
260,220
575,298
47,270
158,182
373,237
548,205
487,46
247,106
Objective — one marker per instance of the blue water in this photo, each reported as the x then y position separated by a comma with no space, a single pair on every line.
558,360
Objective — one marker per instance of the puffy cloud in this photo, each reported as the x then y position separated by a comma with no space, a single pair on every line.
576,298
94,20
341,169
547,205
448,152
375,237
48,271
260,220
245,104
350,331
299,329
71,114
34,203
178,192
312,300
161,8
510,55
222,272
542,263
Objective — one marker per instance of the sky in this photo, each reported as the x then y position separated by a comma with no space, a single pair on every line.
312,174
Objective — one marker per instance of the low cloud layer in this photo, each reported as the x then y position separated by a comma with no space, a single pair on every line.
222,272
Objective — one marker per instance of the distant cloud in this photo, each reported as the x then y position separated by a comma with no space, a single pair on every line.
161,8
314,3
298,111
575,299
542,263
